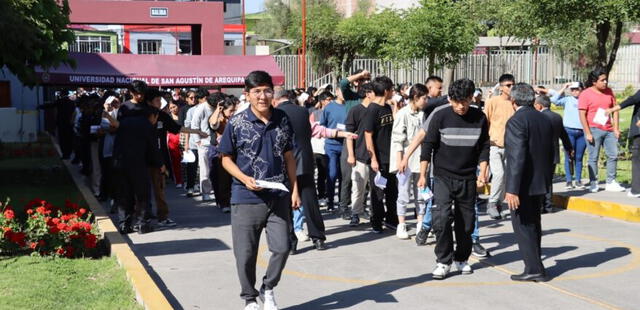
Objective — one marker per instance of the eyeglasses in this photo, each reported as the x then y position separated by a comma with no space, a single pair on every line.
192,97
258,93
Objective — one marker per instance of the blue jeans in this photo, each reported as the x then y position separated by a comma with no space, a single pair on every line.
298,219
610,143
333,151
579,144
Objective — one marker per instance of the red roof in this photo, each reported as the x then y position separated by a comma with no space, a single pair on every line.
159,70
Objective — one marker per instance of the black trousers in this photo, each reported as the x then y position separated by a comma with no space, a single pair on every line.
315,223
192,171
107,183
548,202
134,194
65,139
322,165
635,166
221,182
446,192
383,197
345,185
528,231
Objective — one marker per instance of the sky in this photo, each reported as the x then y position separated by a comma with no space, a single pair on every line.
254,6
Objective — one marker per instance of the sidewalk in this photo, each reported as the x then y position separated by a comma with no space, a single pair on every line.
594,262
607,204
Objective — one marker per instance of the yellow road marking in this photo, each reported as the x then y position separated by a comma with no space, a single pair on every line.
633,264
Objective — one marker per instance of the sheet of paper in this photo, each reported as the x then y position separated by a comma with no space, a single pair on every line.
403,177
426,193
601,117
380,181
272,185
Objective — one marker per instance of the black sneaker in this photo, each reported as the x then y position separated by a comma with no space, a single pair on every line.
144,228
479,250
167,223
124,229
319,245
421,236
355,220
377,229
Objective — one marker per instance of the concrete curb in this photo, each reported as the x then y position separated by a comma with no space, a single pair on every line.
147,292
609,209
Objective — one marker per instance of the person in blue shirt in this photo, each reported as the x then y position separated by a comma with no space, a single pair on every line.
257,146
333,117
573,127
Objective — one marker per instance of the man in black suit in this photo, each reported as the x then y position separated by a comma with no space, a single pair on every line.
299,119
543,104
529,156
135,150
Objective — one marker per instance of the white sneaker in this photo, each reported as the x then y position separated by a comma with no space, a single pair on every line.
632,195
441,271
268,300
401,231
302,236
594,187
206,197
418,228
614,187
178,185
463,267
252,306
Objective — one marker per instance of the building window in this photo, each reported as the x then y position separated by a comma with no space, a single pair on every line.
149,46
184,47
91,44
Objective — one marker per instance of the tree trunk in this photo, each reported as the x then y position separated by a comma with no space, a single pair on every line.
615,46
432,63
602,34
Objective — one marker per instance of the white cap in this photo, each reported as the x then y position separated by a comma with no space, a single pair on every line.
110,99
163,103
574,85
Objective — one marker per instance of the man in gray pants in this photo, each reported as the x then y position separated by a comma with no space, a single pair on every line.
256,146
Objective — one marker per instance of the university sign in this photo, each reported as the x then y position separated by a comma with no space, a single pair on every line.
117,80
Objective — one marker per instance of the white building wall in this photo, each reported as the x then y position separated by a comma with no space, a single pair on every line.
169,41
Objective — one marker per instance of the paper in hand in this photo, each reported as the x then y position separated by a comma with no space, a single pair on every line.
601,117
271,185
426,193
380,181
403,177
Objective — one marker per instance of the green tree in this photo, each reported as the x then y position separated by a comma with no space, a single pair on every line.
441,30
34,33
588,31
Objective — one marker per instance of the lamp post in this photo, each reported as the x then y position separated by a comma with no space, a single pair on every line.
303,75
244,32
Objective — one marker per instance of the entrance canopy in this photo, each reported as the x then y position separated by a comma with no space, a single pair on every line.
110,70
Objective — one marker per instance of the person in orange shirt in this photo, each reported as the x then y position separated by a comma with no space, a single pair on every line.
499,110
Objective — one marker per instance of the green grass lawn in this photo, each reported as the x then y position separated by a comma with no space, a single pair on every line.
624,158
56,283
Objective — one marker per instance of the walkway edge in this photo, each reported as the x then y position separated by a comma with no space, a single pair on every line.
609,209
148,294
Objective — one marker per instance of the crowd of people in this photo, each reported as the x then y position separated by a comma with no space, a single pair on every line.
273,157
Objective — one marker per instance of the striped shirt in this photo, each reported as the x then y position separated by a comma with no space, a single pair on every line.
457,142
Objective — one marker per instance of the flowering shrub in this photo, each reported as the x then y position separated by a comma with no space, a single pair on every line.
45,229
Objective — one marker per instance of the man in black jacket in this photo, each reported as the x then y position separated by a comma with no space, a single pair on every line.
529,156
542,104
634,136
299,119
136,149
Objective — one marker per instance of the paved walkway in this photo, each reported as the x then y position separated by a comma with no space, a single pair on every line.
602,195
594,262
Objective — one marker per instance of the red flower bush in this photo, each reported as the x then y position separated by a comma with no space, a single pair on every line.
48,230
